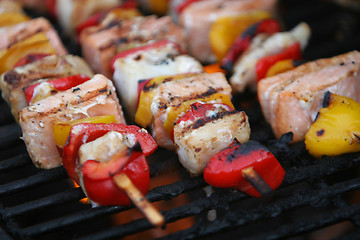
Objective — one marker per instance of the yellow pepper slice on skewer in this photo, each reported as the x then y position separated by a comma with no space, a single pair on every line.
336,129
61,130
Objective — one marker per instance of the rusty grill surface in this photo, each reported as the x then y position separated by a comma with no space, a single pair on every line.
318,198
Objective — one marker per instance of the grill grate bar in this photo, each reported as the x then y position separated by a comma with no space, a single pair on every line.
325,167
53,200
118,232
238,218
304,226
42,177
192,209
165,192
4,235
14,162
170,191
70,220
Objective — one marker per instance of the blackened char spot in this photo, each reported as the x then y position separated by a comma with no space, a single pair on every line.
76,89
148,87
202,121
244,149
326,101
12,78
320,132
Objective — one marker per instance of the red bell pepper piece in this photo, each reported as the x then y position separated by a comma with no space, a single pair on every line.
93,20
185,4
263,64
198,110
60,84
30,58
242,42
226,168
51,7
145,47
98,178
86,132
141,85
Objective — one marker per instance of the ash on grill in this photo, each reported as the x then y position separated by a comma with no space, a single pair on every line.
317,200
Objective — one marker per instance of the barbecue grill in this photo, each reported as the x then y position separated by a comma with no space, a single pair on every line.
319,199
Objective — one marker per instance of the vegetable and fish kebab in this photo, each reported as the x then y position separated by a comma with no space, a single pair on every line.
163,88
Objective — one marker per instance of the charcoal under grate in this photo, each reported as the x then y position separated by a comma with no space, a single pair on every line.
319,199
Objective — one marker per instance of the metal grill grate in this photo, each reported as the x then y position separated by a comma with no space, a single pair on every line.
39,204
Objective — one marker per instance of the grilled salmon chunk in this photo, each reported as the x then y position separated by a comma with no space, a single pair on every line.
18,32
290,101
261,46
197,141
101,43
95,97
172,94
198,18
51,67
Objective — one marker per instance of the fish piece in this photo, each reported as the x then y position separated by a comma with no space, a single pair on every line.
291,100
101,43
173,93
95,97
12,82
18,32
198,17
264,45
165,59
196,141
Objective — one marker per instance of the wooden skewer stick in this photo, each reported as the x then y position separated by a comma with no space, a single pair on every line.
256,180
150,212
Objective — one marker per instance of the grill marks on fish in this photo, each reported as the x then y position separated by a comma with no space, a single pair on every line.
201,122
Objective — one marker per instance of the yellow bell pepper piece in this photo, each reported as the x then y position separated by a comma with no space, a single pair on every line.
279,67
143,115
61,130
37,43
159,7
175,112
225,30
34,38
11,18
336,130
